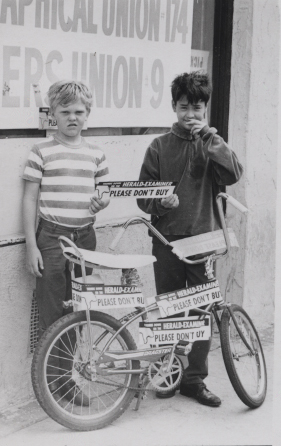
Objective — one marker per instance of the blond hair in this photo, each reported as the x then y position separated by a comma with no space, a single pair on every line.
65,93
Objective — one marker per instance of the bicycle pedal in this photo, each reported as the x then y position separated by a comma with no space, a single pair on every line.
183,347
142,393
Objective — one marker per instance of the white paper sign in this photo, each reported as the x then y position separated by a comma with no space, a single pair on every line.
199,60
108,297
188,298
172,331
128,52
137,189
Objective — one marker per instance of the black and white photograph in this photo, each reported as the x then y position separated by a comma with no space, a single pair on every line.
140,206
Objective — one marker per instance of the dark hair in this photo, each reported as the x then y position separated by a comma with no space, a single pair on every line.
195,85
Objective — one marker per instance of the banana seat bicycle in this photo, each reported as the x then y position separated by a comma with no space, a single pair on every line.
87,367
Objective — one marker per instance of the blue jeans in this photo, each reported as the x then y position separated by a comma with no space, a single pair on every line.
54,287
172,274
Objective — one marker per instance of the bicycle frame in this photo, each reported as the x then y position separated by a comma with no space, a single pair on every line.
154,353
87,368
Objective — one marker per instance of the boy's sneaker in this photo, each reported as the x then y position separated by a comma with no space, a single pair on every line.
163,395
201,394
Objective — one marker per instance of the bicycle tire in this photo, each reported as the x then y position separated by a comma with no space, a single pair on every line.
65,391
246,372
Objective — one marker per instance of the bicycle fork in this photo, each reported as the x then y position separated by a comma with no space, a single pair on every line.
228,307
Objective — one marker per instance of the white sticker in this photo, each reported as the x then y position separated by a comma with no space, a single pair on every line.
137,189
171,331
188,298
88,299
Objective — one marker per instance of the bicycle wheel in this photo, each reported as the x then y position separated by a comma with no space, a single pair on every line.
246,370
61,374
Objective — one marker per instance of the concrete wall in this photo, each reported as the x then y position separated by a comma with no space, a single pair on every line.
253,133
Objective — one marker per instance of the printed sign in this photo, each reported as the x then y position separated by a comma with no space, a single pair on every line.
45,119
188,298
78,285
137,189
174,330
199,60
127,51
106,296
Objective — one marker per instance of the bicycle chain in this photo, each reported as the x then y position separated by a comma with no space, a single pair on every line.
110,384
123,386
139,389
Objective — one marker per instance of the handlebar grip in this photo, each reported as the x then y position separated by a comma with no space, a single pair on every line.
236,204
178,253
117,239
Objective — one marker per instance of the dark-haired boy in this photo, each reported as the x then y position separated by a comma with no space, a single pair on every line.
202,163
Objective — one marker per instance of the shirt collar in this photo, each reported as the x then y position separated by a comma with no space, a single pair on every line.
184,134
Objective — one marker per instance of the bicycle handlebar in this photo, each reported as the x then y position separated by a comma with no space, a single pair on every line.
233,202
117,238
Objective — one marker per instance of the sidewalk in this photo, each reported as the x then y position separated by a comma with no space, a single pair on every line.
173,422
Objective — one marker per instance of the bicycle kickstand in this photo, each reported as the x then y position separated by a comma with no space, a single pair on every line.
141,392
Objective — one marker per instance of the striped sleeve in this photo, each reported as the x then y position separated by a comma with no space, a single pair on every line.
34,166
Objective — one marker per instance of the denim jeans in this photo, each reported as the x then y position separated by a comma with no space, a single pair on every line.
172,274
54,287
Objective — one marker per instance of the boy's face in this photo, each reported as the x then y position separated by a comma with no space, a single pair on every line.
187,112
70,119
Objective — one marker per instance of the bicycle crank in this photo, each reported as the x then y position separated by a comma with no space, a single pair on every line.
164,376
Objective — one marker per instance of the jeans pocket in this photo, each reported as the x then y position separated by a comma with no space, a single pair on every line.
88,241
38,232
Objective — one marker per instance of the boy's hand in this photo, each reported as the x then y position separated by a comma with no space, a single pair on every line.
196,126
97,204
34,261
170,202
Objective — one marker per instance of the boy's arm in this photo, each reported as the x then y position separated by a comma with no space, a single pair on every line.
227,167
30,197
150,171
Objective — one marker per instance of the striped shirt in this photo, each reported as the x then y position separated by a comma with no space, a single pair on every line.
67,176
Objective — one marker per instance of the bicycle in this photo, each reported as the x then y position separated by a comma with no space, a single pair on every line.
87,368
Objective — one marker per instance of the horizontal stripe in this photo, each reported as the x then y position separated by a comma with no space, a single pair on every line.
87,150
31,179
29,171
47,143
49,204
102,173
69,173
70,156
67,189
33,165
66,196
73,181
72,164
103,165
36,158
72,213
